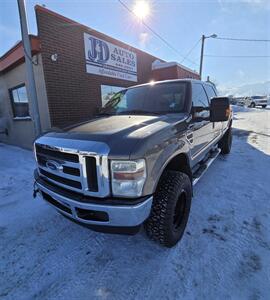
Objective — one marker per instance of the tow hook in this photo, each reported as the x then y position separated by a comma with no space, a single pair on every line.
35,190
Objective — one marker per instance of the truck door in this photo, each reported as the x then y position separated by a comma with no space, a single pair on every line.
216,126
199,126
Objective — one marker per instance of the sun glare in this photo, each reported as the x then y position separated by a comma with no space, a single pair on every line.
141,9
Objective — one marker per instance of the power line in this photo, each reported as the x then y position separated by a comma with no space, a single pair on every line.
156,33
238,56
190,51
241,40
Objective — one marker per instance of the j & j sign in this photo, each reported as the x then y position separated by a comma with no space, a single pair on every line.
106,59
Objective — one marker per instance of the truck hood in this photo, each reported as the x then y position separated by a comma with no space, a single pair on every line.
120,133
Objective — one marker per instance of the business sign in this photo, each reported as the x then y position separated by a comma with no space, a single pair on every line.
106,59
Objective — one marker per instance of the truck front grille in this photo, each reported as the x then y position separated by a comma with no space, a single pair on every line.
50,153
91,170
61,180
74,171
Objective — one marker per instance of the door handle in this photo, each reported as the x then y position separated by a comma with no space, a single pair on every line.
195,126
189,136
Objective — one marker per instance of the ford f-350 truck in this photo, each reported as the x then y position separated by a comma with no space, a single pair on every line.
137,160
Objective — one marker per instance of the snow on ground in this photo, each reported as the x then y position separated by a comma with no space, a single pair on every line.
224,254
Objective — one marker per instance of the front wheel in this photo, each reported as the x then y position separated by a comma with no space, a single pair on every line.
170,209
264,106
252,105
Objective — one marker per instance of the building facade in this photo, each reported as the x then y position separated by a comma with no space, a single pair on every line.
76,70
16,125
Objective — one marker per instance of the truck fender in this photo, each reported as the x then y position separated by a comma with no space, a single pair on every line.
163,161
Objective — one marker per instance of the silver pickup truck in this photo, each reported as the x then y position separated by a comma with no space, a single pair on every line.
136,162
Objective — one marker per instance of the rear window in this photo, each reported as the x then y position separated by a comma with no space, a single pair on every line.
257,97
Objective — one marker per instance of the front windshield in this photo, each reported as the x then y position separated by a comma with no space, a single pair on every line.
149,99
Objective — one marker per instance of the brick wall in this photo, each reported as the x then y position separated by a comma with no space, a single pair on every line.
74,95
183,73
173,72
165,73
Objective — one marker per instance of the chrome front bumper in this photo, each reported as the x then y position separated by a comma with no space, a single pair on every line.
117,215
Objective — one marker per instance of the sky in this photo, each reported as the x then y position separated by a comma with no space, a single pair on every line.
181,23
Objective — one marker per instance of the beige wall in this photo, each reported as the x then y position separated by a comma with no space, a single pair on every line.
21,132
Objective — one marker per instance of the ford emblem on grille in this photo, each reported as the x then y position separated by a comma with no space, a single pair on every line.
54,165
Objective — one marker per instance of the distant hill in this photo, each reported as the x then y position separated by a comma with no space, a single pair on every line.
261,88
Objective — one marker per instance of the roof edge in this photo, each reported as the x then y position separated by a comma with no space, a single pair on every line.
15,55
17,45
162,65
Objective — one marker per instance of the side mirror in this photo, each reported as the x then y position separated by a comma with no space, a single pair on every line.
197,109
220,109
199,113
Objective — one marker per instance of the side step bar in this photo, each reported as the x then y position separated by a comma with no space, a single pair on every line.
205,165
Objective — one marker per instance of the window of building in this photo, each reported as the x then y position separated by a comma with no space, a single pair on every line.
19,100
107,91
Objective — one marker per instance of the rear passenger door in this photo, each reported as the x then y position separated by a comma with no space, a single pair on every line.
217,126
200,125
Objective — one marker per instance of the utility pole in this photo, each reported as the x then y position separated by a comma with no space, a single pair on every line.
32,93
212,36
202,50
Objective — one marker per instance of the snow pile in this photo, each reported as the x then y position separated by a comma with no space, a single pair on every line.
238,108
224,254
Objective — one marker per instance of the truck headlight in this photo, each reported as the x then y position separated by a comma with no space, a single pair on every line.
128,177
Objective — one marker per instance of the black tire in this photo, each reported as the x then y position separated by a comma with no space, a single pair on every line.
252,105
264,106
225,143
170,209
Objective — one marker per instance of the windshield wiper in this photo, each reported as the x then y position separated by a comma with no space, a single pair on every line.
105,114
137,112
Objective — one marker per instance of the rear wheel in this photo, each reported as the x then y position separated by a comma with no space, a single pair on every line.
264,106
225,143
170,210
252,105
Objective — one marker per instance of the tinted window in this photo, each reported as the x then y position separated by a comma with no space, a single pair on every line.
156,98
19,101
199,99
210,91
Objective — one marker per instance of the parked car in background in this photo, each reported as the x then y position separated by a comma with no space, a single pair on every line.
233,100
254,101
240,101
